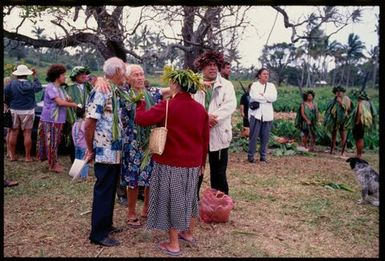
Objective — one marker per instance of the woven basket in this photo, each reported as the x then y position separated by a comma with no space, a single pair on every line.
158,137
157,141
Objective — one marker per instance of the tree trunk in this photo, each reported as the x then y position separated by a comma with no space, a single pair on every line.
374,74
348,76
364,82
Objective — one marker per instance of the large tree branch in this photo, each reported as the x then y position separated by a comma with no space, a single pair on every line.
68,41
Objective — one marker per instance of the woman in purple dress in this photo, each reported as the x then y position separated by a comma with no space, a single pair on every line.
53,117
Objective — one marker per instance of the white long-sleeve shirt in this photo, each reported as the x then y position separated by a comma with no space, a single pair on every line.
265,112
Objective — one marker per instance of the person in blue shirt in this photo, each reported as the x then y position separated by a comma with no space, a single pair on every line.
19,95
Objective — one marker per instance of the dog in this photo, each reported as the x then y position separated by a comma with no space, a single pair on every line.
368,178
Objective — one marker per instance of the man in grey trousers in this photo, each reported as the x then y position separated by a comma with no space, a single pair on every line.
261,118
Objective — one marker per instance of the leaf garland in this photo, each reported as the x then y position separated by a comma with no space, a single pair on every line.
189,81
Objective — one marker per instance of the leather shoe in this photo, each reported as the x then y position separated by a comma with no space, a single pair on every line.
108,242
251,160
113,229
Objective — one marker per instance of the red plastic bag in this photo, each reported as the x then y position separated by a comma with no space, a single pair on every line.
215,206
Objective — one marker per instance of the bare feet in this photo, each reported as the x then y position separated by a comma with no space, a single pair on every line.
144,213
56,168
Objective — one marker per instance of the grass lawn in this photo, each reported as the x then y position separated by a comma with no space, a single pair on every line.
282,209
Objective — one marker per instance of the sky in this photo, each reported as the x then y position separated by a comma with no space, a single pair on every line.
262,18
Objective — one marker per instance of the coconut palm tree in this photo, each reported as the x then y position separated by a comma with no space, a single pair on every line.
373,59
354,52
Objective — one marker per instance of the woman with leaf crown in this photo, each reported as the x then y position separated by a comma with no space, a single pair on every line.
173,203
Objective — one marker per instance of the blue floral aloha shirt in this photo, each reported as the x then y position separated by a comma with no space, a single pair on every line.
99,107
131,174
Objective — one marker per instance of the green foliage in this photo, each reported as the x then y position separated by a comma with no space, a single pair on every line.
333,185
284,128
288,99
187,79
285,150
239,144
8,69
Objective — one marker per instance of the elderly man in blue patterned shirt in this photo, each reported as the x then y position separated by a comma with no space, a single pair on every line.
104,145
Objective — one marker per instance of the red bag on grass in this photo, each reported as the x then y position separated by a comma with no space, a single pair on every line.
215,206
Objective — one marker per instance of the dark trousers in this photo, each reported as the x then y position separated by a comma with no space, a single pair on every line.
121,191
200,180
258,129
104,198
218,165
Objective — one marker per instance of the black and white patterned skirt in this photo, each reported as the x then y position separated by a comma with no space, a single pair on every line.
173,197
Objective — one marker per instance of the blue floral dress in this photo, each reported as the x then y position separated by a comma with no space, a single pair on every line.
132,154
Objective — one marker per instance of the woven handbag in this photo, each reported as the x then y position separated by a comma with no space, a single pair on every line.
158,137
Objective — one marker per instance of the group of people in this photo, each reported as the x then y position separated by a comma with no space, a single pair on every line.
117,126
340,116
108,122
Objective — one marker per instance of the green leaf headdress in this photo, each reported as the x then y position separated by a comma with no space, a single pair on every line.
188,80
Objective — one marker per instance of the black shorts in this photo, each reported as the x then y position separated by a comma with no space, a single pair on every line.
358,131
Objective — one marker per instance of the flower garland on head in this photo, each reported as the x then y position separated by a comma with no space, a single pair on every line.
209,56
188,80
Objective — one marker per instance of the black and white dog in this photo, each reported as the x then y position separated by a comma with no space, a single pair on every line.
368,178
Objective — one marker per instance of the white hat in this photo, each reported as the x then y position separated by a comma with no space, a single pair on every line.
22,70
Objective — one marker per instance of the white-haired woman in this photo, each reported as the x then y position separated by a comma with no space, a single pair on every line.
134,171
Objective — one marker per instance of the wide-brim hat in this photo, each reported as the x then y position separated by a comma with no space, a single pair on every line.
78,70
22,70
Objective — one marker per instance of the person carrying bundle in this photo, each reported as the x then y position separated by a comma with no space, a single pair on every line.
336,116
363,118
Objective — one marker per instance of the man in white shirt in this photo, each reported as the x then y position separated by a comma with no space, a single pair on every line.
261,118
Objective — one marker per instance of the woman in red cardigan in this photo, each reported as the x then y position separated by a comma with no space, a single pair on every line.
173,203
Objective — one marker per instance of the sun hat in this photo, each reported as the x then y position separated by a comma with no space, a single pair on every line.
22,70
77,70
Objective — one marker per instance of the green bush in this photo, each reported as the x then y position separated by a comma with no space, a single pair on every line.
284,128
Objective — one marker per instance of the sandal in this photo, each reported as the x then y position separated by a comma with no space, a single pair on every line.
191,241
134,223
163,247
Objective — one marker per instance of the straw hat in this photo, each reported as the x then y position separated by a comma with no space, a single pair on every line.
22,70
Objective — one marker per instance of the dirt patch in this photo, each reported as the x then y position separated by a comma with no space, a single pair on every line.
281,210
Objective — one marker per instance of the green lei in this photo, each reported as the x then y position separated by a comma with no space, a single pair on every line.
209,94
63,94
142,133
116,133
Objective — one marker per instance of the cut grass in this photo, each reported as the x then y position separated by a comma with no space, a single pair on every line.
281,210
